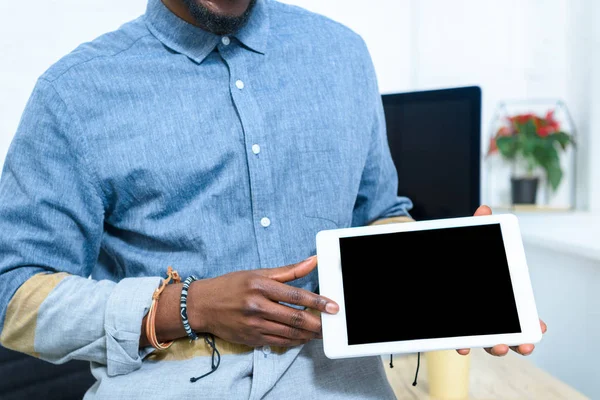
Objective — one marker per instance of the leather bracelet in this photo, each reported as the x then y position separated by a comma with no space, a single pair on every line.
183,308
151,319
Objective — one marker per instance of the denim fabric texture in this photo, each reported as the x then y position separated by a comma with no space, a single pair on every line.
160,144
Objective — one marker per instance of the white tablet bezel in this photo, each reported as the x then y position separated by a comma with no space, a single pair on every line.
335,339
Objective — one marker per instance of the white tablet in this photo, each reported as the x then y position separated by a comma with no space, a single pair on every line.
428,285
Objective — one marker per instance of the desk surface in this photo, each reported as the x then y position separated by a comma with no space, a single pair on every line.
492,378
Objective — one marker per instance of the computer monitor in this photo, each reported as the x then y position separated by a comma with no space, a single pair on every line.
435,141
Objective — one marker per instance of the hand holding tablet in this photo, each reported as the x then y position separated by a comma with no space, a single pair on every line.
454,284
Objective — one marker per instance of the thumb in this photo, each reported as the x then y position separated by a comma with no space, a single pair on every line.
292,271
483,210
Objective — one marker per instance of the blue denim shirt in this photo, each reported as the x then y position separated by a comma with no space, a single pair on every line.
161,145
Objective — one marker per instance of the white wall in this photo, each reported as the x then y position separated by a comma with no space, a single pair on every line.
566,288
579,92
591,57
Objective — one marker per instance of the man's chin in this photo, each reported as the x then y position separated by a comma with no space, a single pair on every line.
219,20
227,9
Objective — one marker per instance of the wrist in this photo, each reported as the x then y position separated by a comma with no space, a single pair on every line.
195,314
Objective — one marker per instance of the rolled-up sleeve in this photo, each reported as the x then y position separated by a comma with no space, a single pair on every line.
51,227
127,305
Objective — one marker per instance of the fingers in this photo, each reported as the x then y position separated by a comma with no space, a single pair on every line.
527,349
523,349
285,335
292,271
292,295
499,350
543,326
483,210
293,319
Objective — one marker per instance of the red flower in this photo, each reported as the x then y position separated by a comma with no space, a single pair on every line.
544,131
522,118
493,148
504,131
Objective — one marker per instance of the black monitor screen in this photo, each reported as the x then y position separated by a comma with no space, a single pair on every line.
435,139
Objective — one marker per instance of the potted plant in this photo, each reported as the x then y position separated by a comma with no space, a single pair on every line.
532,144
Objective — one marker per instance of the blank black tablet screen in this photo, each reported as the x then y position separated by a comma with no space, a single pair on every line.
427,284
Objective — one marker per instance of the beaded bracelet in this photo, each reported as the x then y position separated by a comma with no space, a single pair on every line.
183,304
151,318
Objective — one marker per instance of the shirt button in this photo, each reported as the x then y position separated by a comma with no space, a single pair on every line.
265,222
239,84
266,349
255,148
225,40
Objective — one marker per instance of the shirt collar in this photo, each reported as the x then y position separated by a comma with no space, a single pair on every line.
256,31
197,43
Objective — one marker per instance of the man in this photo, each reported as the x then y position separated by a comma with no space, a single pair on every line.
216,137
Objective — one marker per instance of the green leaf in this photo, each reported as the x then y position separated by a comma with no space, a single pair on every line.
562,138
507,146
528,129
554,174
529,144
547,157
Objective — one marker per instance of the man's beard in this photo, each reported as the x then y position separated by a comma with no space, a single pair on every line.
215,23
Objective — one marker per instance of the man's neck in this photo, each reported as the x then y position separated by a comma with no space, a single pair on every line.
181,10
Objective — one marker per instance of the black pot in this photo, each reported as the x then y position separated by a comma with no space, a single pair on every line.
524,190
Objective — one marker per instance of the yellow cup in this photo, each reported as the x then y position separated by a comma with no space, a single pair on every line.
448,375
